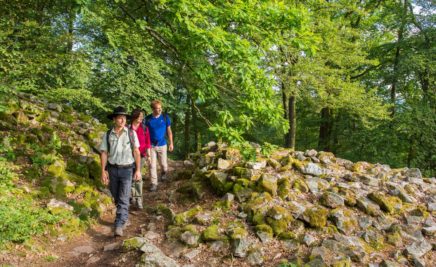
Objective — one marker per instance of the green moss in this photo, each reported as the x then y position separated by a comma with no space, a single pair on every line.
278,226
212,233
173,232
300,185
394,239
283,190
133,243
238,233
387,204
57,168
268,183
316,217
264,228
258,217
186,216
298,165
287,235
165,211
342,263
421,211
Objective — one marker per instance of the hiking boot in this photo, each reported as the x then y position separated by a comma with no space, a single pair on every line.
164,177
139,205
153,188
118,231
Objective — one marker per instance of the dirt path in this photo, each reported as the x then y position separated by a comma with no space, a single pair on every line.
97,246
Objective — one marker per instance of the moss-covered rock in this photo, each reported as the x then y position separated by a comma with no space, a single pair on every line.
344,219
268,183
368,206
274,163
57,168
349,196
212,233
133,243
192,189
187,216
388,204
287,235
162,209
300,185
278,218
316,216
284,189
219,182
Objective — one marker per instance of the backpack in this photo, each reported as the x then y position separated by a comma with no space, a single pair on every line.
131,139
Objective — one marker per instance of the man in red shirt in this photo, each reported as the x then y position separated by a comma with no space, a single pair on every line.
144,149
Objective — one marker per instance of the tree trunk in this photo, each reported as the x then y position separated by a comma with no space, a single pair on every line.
397,59
325,130
285,100
187,132
292,122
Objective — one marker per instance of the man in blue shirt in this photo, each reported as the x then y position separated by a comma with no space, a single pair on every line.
158,125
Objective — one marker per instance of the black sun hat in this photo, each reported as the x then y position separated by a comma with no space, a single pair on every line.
119,111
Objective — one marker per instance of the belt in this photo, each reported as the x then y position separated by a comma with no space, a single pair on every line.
126,166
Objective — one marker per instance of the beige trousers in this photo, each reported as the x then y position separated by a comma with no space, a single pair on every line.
158,153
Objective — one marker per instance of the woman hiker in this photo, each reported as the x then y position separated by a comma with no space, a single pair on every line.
144,149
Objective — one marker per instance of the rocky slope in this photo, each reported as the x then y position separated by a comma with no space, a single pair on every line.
293,208
48,150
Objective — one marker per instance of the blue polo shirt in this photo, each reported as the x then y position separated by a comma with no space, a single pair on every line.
157,128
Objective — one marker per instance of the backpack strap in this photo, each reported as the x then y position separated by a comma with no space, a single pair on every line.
107,141
131,139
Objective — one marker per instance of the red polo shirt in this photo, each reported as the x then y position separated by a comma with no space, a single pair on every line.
144,139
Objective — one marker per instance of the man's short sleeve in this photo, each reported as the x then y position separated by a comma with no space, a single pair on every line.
168,120
103,145
135,140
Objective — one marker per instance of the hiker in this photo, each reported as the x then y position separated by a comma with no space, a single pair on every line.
119,155
158,124
144,149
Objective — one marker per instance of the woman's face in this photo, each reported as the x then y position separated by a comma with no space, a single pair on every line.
140,118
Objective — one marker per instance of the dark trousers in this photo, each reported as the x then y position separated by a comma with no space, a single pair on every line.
120,183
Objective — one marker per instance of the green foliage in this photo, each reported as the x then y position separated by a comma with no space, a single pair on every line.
20,218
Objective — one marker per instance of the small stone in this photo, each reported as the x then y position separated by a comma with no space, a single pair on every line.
311,153
189,238
414,220
82,250
413,173
92,260
240,247
312,169
153,256
418,262
112,246
418,249
430,231
432,206
309,240
56,107
192,254
369,180
368,206
54,203
217,246
229,197
224,164
332,200
257,165
255,257
364,222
